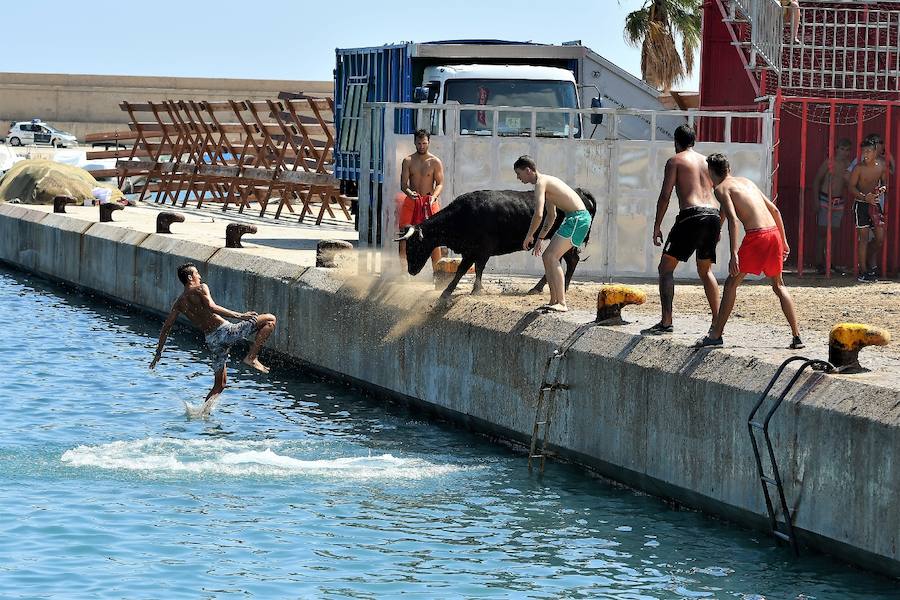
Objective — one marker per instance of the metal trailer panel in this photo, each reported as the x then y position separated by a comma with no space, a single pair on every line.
390,80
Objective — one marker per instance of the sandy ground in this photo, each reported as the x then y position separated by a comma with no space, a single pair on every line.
820,304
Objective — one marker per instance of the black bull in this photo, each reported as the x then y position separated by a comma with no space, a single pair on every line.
479,225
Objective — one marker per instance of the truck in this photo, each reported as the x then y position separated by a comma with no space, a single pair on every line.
486,72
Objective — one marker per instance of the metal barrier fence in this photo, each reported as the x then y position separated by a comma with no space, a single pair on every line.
624,176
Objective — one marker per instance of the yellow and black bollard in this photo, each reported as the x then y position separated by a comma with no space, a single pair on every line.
612,298
847,339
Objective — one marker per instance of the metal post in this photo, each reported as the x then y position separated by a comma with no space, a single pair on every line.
887,157
860,112
801,240
776,145
830,186
896,203
364,191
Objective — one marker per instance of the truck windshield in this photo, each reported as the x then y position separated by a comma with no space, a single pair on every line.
513,92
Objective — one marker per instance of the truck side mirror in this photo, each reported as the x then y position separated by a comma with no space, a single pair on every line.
420,94
596,119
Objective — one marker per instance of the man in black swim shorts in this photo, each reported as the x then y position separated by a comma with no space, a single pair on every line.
696,227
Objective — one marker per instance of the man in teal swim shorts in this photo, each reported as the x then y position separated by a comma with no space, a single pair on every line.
553,193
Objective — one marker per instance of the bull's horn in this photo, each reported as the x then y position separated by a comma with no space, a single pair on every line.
405,235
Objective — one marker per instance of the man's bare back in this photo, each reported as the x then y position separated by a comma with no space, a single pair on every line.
749,203
558,193
693,185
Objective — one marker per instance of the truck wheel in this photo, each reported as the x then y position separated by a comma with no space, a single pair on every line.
14,141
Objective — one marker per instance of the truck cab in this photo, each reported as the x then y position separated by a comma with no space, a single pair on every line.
503,85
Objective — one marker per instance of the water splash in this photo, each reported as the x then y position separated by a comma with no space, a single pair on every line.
201,411
245,458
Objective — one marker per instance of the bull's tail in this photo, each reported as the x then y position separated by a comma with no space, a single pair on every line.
590,203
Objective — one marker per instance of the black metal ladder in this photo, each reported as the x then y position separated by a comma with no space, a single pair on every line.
550,385
783,530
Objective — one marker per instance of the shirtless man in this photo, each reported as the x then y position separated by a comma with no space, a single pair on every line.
421,181
866,186
696,226
831,190
553,193
763,249
197,305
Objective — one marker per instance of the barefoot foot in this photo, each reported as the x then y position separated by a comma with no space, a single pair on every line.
558,308
256,365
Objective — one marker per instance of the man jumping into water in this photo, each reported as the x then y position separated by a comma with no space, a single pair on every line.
197,305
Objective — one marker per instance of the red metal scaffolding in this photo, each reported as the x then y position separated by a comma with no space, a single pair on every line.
816,138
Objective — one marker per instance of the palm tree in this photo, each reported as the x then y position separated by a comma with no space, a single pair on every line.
654,28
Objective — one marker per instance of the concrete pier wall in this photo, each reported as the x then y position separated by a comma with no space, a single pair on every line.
649,412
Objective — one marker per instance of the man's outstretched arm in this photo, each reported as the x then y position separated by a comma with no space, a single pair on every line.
164,333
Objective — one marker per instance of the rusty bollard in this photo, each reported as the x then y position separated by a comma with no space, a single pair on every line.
59,203
330,253
233,234
847,339
164,221
107,209
612,298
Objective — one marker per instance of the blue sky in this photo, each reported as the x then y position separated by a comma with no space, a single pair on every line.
286,39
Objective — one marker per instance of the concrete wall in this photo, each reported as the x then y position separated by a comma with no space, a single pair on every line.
645,411
84,104
624,176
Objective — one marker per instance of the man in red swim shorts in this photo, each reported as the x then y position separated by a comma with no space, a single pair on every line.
763,250
421,181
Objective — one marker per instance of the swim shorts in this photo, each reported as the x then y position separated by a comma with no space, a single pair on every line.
220,340
697,229
575,227
761,251
837,211
413,211
868,215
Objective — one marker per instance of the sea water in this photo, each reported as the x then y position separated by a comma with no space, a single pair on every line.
295,487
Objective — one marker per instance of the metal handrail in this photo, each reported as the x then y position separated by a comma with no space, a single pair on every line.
766,29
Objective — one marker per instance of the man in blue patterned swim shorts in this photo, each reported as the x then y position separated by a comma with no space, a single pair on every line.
197,305
553,193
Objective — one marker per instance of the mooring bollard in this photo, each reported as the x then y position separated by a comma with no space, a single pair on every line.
233,234
107,209
612,298
847,339
330,253
164,221
59,203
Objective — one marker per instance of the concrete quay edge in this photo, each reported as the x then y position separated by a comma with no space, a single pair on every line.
648,412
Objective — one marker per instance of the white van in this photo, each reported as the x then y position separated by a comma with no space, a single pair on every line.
36,131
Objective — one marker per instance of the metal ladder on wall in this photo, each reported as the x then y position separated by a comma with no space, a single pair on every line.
782,530
550,385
